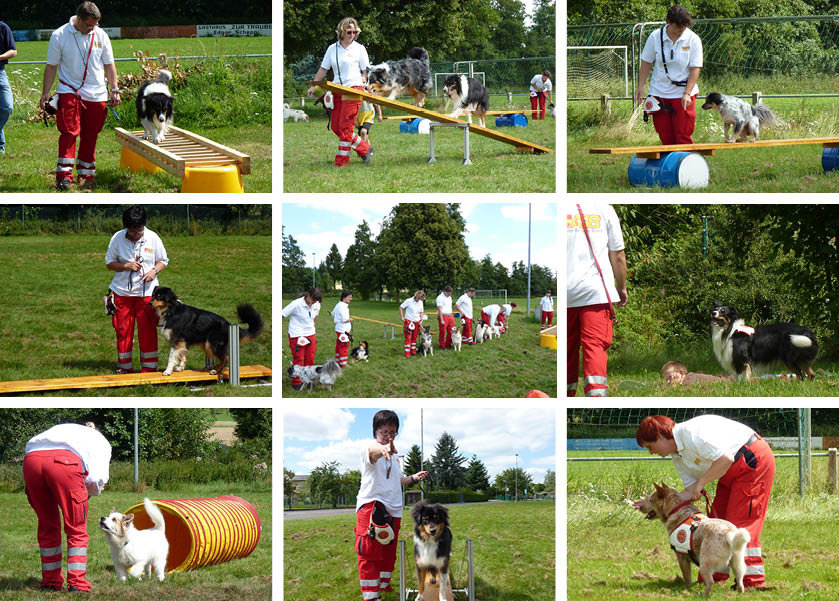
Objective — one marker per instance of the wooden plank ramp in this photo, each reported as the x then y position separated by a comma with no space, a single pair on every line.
655,152
352,93
513,112
136,379
182,149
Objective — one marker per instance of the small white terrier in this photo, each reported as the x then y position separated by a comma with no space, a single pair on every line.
479,333
136,551
457,339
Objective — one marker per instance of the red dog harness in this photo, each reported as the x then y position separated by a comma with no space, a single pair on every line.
681,538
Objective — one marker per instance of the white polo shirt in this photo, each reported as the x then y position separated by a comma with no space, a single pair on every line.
413,309
702,440
340,314
584,286
151,251
69,48
92,448
444,303
681,55
465,304
507,309
547,304
302,316
377,485
537,85
350,61
492,311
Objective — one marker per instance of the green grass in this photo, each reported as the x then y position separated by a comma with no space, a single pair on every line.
505,367
54,325
247,578
790,169
632,560
510,562
399,162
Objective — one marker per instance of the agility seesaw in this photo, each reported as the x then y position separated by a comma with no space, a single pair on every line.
431,589
353,94
684,164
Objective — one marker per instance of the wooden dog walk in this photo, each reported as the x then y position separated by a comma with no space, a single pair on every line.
135,379
353,94
709,149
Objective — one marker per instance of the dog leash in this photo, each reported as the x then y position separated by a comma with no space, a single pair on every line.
612,315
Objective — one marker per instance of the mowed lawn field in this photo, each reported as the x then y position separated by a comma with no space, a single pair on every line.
54,325
246,578
514,546
614,553
506,367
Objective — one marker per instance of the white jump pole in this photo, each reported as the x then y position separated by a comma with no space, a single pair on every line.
233,352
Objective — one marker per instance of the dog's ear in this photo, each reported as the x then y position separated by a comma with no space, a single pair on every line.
659,489
129,518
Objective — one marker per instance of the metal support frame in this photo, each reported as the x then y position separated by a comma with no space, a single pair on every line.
384,330
469,590
233,353
465,126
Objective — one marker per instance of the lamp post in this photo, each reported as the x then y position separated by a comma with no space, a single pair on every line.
517,476
313,270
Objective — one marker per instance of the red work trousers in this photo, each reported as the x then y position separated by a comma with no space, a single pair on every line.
302,355
590,328
342,350
676,126
742,498
131,309
411,336
82,119
502,321
375,560
446,323
485,318
55,481
547,318
342,120
467,331
538,101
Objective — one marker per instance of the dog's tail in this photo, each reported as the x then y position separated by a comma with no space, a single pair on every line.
155,514
800,341
764,114
164,76
418,53
738,539
250,316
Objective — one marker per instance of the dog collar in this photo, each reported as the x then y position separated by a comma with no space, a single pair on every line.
678,507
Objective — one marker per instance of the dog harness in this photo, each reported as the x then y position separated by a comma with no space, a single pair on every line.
748,331
681,538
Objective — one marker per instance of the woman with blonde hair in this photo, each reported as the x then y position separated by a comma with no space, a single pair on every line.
348,61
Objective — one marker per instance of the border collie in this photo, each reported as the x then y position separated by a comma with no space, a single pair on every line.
468,96
361,352
742,350
745,118
432,547
154,107
411,75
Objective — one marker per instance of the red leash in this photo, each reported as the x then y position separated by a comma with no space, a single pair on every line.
612,315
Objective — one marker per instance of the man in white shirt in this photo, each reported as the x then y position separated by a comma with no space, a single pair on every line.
80,53
547,307
445,319
540,86
343,326
464,306
137,255
302,329
62,467
490,313
589,304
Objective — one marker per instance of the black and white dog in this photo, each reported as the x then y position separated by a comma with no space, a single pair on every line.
745,118
154,107
742,350
468,96
411,75
361,352
325,374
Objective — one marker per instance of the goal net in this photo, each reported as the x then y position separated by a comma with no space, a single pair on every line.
500,295
597,70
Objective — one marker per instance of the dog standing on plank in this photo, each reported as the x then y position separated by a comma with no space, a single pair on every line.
154,107
745,118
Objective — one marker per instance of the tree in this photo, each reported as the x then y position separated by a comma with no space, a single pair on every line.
477,477
325,483
294,265
413,462
288,483
541,37
333,264
486,274
447,465
510,478
550,481
350,484
359,271
510,35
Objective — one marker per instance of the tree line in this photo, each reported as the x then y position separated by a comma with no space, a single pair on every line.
126,13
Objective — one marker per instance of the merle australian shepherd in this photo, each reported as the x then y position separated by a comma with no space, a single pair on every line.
411,75
468,96
742,350
185,326
154,107
736,112
432,546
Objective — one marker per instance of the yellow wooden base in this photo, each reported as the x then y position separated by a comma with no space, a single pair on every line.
113,380
547,338
220,178
129,159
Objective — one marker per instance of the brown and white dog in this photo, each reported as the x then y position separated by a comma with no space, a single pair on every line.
133,551
432,549
710,543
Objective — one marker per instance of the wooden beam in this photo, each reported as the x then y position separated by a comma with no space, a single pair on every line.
710,147
514,112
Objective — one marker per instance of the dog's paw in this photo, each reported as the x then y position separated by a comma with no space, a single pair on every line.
168,372
420,597
213,372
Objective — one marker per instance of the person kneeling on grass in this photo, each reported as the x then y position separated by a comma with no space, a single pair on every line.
676,373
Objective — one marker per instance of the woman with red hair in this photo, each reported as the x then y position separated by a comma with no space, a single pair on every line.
711,447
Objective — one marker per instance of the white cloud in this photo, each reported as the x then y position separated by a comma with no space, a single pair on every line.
317,423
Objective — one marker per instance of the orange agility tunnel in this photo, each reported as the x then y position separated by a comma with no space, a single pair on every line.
204,532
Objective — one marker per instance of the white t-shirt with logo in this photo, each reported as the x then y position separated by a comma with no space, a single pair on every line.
301,317
702,440
377,485
92,448
150,250
492,311
465,304
584,285
413,309
547,303
681,56
341,313
537,85
444,303
349,62
69,48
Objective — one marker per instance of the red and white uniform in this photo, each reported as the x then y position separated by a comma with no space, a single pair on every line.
464,305
503,316
413,311
375,560
347,65
743,492
132,297
301,324
62,468
589,325
490,313
538,90
83,97
341,316
547,306
445,319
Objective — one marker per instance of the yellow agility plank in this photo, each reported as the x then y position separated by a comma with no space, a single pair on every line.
353,94
513,112
113,380
654,152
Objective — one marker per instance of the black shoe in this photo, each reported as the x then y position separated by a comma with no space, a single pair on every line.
63,184
73,589
297,387
368,157
50,588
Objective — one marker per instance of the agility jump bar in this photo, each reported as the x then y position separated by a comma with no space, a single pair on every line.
512,112
655,152
353,94
387,323
136,379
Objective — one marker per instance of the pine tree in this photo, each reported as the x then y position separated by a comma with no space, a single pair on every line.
413,463
477,477
447,465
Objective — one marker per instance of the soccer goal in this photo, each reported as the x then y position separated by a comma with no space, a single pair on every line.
498,294
597,70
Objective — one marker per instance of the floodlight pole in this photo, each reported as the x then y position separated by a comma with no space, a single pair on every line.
313,270
804,431
517,476
136,449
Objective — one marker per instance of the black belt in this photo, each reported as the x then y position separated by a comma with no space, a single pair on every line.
751,460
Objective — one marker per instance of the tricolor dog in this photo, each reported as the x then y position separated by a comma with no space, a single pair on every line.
432,548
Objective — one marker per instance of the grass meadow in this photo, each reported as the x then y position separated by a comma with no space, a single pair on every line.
790,169
226,100
399,160
505,367
247,578
510,562
54,324
631,558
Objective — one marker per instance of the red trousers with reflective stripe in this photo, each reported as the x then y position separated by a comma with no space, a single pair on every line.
537,105
547,318
590,328
342,350
676,126
410,337
502,321
467,331
55,481
446,323
83,120
128,310
342,120
302,355
742,498
375,560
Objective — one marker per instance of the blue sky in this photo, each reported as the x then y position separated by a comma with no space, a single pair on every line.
499,229
315,435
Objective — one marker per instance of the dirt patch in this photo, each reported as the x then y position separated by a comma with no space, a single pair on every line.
223,432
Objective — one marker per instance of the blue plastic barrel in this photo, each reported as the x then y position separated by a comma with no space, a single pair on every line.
674,169
830,159
410,127
511,120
